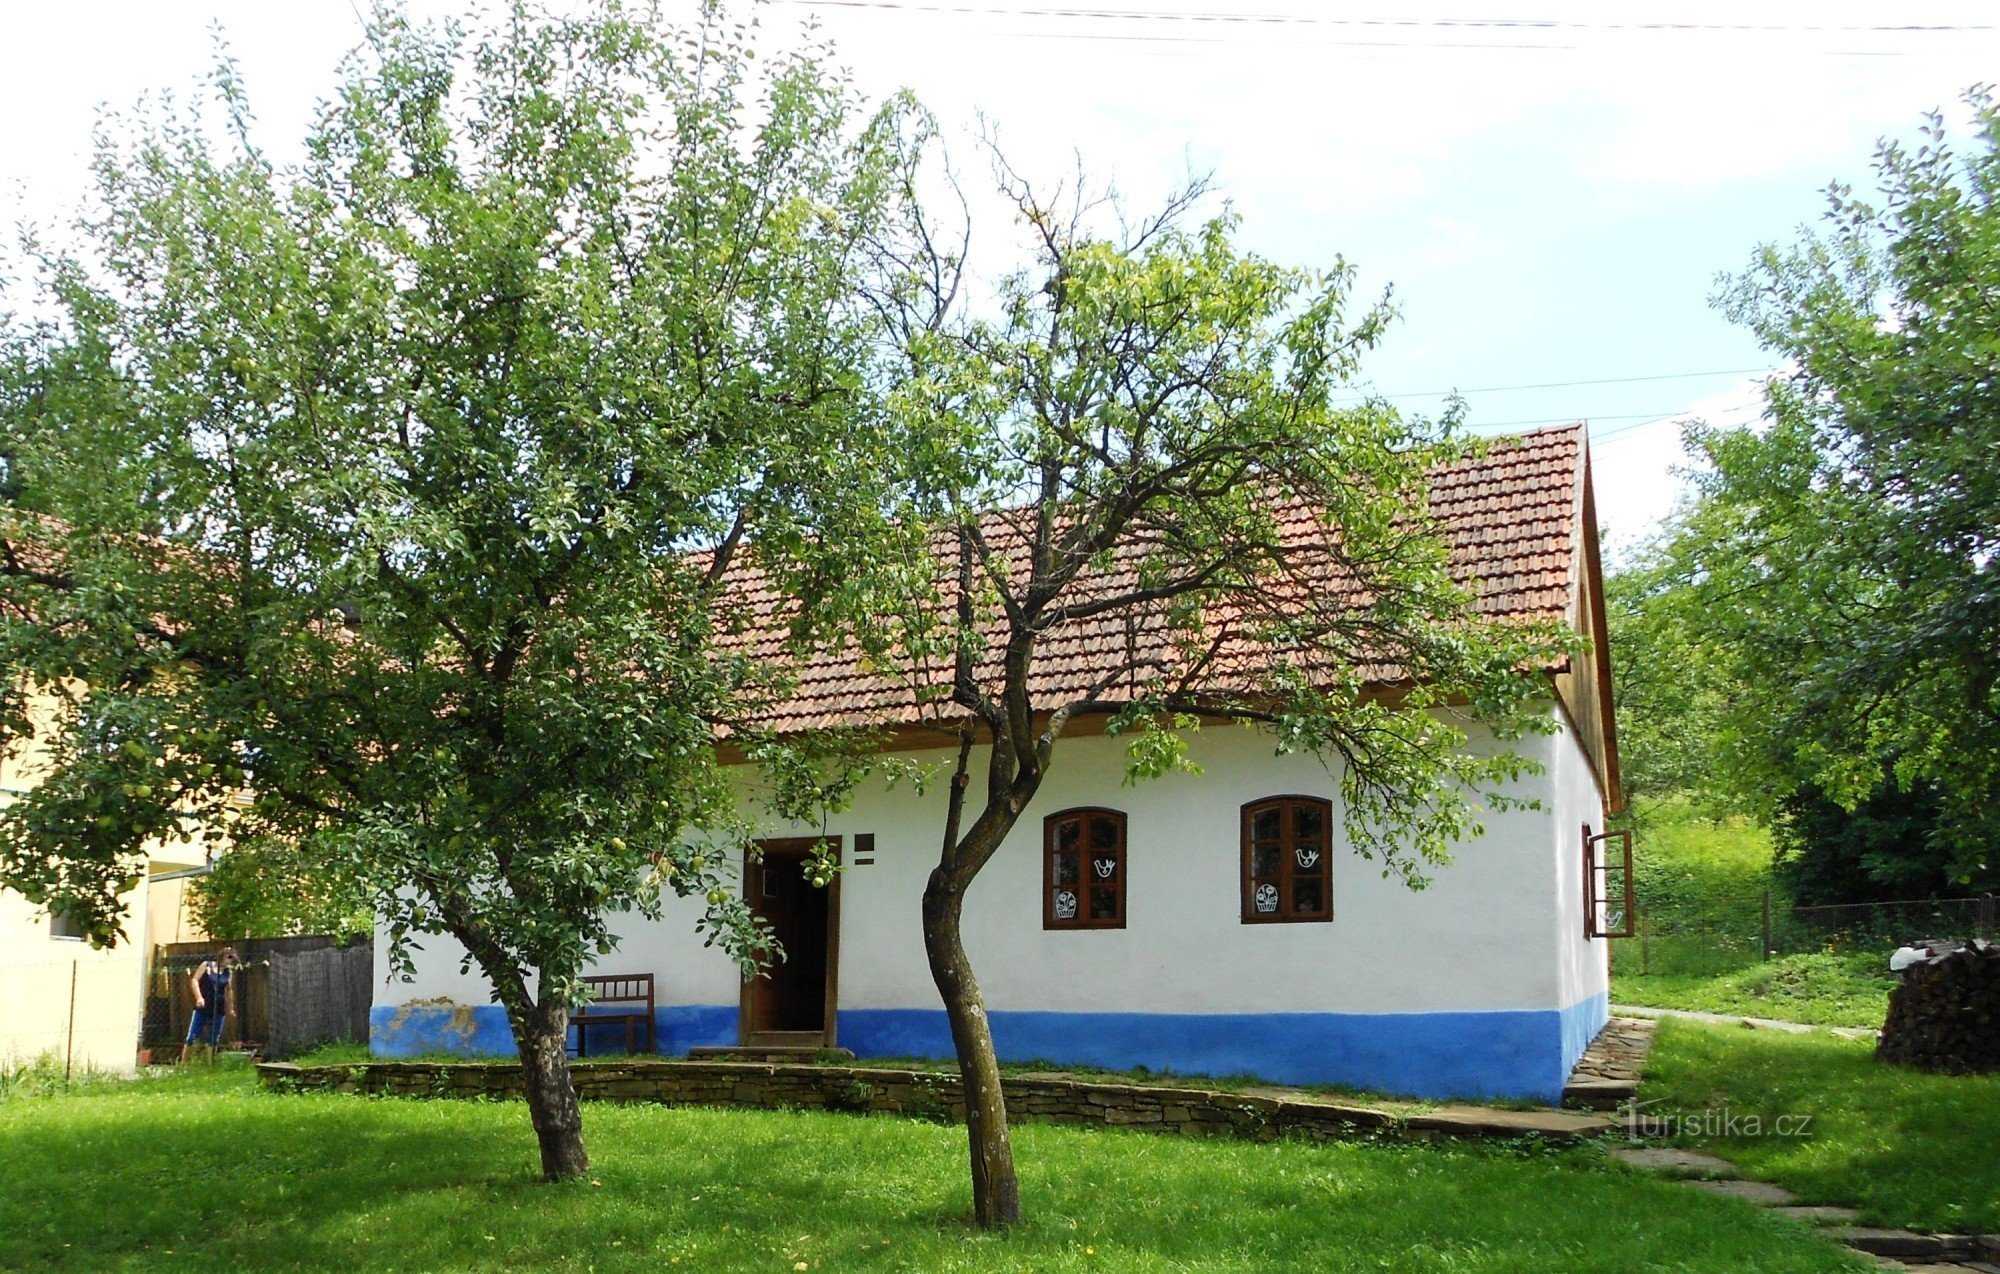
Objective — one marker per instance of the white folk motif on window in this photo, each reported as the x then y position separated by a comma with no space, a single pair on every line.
1265,899
1308,858
1065,905
1104,867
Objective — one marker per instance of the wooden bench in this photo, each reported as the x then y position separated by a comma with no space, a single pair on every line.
623,988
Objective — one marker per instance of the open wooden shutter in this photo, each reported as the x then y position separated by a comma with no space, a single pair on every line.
1609,909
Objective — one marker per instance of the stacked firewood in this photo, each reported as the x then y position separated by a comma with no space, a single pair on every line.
1945,1014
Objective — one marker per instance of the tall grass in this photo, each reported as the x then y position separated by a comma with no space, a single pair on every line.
1701,882
47,1076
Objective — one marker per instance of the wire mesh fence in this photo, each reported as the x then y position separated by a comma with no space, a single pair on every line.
1890,924
170,1001
1730,933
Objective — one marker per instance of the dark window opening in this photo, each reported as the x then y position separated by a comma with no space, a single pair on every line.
1083,870
1287,860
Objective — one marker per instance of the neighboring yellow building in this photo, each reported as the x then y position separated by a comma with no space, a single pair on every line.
63,999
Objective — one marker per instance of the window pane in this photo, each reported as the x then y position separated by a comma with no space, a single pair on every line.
1265,825
1065,868
1264,898
1264,860
778,881
1103,833
1068,832
1311,823
1309,896
1063,904
1103,903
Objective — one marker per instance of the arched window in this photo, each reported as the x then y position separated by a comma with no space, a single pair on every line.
1287,860
1083,870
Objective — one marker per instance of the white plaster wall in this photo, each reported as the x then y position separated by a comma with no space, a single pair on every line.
684,971
1184,949
1583,964
65,999
1480,938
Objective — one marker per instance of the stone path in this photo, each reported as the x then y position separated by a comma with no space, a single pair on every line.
1892,1249
1607,1075
1732,1019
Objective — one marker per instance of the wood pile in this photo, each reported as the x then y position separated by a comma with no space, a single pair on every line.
1945,1014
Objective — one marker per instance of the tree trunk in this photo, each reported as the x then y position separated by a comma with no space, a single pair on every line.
996,1192
542,1035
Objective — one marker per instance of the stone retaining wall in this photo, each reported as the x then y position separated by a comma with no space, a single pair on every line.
931,1095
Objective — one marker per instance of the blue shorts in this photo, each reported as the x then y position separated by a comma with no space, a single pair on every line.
206,1025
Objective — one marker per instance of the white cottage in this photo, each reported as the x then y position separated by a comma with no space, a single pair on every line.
1211,924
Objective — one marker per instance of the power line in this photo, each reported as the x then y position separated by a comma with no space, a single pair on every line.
1623,431
1350,43
1674,419
1571,384
1324,20
1572,418
1645,419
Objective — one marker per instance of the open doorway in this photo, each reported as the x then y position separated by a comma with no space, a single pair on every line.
792,1003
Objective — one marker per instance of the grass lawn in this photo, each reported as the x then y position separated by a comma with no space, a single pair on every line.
206,1171
1906,1147
1701,881
1824,988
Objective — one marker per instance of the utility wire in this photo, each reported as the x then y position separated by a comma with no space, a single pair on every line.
1571,384
1645,419
1324,20
1576,416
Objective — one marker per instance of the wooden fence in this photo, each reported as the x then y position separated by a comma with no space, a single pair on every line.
291,994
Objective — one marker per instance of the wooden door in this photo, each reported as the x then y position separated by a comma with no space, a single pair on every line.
792,1002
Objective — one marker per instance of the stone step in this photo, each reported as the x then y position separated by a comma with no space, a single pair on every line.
1762,1193
1598,1094
1665,1159
793,1053
1903,1245
1818,1213
1484,1121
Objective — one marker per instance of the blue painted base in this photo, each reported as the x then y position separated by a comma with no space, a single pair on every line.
482,1030
1431,1055
1523,1054
1580,1024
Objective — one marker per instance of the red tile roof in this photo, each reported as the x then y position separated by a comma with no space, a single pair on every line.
1510,519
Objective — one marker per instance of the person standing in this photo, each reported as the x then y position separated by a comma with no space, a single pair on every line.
211,982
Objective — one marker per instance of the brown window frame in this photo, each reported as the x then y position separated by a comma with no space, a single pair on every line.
1086,815
1597,901
1288,870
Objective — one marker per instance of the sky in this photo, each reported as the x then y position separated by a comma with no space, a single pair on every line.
1550,189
